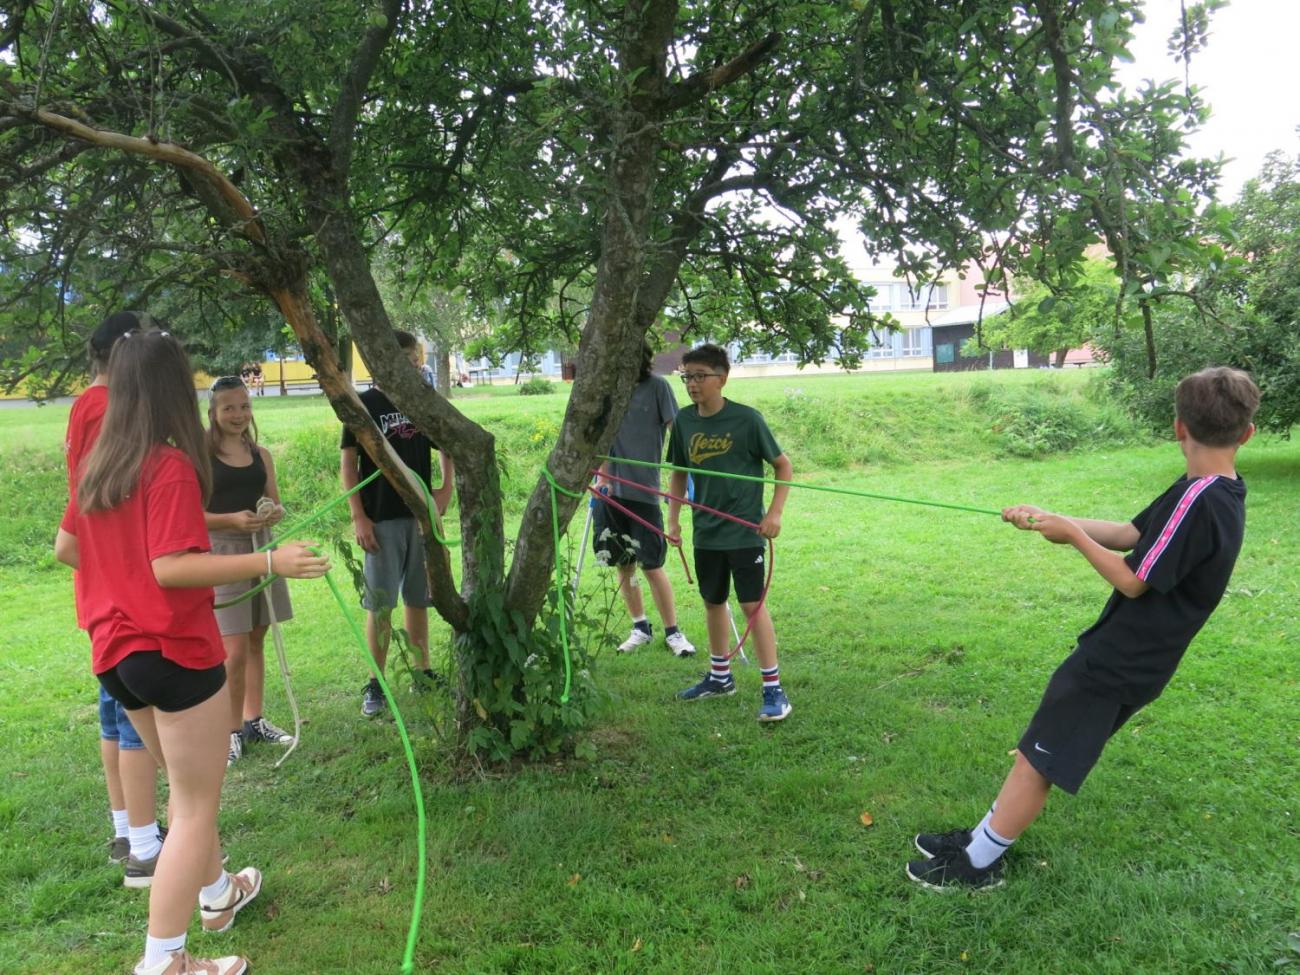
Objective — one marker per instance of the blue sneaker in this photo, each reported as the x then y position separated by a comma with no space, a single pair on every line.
710,686
775,705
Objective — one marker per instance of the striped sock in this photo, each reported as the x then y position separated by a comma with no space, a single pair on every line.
157,949
771,677
719,668
985,847
988,818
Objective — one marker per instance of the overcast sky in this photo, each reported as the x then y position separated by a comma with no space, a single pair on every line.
1248,73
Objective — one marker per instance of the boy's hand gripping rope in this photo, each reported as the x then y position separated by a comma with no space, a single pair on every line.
613,503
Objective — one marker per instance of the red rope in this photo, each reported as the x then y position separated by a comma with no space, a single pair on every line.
674,542
771,547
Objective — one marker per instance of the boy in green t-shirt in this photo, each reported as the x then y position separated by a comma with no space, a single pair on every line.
715,434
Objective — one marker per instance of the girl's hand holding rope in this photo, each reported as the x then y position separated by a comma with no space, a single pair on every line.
245,521
298,560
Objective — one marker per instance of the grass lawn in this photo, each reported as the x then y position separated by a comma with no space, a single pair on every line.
914,645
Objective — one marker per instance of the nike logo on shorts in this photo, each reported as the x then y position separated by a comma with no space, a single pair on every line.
1040,748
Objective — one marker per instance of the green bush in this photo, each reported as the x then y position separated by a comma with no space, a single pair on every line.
537,386
1044,418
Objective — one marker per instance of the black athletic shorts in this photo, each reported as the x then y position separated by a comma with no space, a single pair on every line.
146,678
1067,733
620,540
715,569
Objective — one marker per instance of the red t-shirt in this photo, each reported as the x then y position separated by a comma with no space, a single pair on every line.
118,599
84,421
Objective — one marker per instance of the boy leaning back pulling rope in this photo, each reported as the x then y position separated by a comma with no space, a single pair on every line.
1182,548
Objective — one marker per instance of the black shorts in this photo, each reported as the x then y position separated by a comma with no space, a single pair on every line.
716,568
1067,733
146,678
620,540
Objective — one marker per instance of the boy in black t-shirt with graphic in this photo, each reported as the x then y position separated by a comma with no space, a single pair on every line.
716,434
1183,548
388,532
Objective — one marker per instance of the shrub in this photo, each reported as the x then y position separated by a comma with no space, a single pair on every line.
537,386
1044,419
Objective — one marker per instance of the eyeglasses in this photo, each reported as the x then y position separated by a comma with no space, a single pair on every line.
226,382
697,377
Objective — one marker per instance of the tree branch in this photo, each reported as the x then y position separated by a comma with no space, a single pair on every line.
343,122
701,83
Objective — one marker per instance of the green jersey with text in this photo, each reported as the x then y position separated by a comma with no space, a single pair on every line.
735,440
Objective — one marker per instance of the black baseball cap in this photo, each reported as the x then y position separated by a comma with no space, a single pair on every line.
118,324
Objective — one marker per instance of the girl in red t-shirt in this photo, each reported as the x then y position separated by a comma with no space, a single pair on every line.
136,534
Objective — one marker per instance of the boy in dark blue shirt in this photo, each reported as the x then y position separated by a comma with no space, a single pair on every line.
1182,548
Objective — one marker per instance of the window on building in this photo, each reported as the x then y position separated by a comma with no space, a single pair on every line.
882,344
916,341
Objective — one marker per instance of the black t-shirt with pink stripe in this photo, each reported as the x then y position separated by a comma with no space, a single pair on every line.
1190,537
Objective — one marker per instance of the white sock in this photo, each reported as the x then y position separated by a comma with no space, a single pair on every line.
213,892
120,823
144,841
986,846
157,949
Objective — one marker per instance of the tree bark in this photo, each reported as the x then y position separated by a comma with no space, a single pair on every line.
607,363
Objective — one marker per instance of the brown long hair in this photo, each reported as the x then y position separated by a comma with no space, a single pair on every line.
151,402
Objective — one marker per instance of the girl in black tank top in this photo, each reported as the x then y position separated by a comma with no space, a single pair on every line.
242,474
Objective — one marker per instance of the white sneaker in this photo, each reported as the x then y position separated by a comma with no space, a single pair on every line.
638,638
679,645
236,748
243,887
183,963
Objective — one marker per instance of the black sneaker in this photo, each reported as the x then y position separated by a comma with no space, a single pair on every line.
119,848
709,686
259,729
932,844
372,702
951,869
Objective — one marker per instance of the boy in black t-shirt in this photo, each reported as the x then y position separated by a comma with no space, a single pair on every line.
1183,548
389,533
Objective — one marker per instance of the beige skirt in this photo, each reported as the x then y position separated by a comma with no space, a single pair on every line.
251,613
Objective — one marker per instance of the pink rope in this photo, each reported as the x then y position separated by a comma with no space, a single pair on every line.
771,547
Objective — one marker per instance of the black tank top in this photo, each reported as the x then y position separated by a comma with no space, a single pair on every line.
237,488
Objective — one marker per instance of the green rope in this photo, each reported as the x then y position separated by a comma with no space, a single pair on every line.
320,513
408,959
803,484
417,907
561,602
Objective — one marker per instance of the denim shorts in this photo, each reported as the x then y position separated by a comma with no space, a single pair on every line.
114,725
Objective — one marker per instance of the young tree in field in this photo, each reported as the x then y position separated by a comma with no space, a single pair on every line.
1245,314
582,169
1054,323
